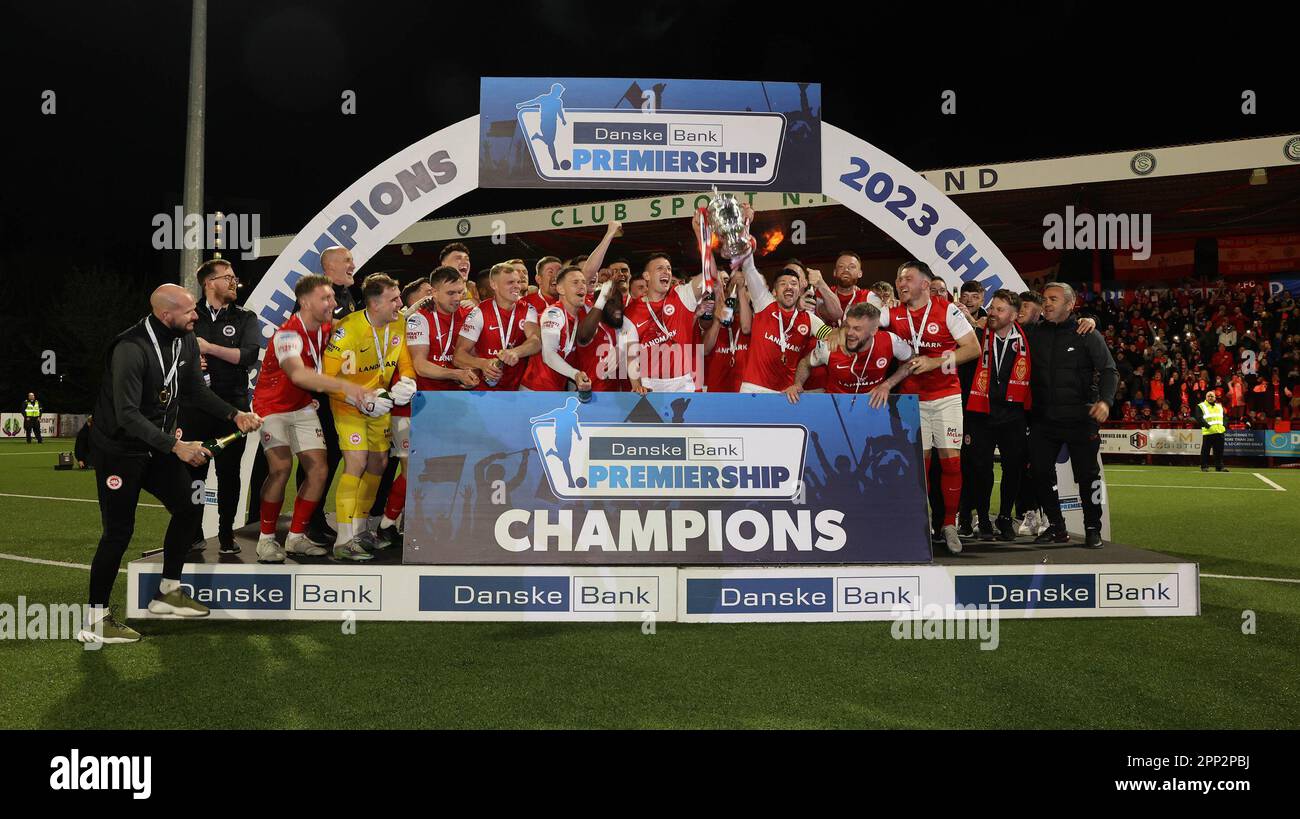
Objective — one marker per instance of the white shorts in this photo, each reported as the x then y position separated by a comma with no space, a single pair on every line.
299,430
745,386
941,423
682,383
401,437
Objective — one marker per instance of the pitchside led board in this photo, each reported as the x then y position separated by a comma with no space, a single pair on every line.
542,478
611,133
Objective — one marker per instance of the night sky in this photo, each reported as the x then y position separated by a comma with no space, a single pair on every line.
82,186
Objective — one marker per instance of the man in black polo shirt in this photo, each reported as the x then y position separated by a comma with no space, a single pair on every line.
1073,384
136,445
228,337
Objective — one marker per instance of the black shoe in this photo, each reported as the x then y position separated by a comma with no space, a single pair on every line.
1092,539
322,536
965,530
1054,534
229,546
1006,529
198,545
1205,469
986,532
389,536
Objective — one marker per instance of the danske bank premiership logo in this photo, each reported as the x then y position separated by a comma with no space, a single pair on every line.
668,147
628,460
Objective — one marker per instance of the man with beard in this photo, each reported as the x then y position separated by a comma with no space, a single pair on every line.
547,268
135,446
665,323
856,357
996,413
942,339
565,326
229,338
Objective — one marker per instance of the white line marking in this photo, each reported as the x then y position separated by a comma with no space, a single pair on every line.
1172,486
1267,481
38,560
94,500
46,452
1241,577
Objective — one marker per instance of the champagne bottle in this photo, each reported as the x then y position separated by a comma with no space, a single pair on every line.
215,445
707,315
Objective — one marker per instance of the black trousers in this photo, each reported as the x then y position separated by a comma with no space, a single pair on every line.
1009,439
120,479
1082,441
199,426
31,425
1212,442
968,479
385,486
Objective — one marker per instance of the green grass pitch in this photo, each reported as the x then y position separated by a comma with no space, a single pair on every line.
1200,672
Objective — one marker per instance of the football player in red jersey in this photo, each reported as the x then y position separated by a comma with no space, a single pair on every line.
671,357
499,334
941,339
857,358
726,342
547,268
848,271
566,326
291,372
782,332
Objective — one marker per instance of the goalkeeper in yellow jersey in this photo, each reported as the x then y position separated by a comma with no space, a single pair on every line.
367,347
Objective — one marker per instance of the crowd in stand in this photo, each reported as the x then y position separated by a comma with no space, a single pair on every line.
1173,345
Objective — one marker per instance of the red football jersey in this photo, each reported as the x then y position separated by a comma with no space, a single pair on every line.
437,331
556,321
724,367
600,359
938,324
776,335
664,324
493,330
274,392
859,372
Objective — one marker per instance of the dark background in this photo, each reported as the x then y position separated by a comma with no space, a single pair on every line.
81,187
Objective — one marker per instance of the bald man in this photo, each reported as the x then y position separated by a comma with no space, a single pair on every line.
136,445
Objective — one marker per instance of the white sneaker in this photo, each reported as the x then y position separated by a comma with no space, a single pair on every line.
1029,525
269,550
951,539
298,544
1043,523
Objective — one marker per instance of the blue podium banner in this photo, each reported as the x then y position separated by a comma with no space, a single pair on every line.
584,132
667,478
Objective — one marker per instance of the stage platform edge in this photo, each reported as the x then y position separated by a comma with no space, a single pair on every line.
1008,581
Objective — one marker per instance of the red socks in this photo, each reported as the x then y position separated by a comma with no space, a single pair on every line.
396,498
302,512
270,516
950,485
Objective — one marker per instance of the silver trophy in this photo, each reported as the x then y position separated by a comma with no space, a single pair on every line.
728,222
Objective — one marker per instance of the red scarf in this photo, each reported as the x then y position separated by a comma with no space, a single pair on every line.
1017,387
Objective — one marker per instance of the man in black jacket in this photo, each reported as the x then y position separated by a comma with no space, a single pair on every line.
135,445
1073,383
229,340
